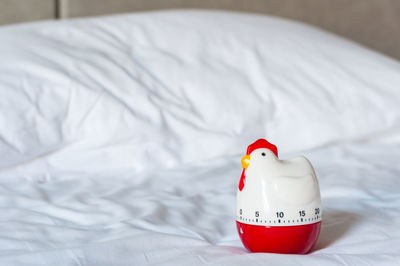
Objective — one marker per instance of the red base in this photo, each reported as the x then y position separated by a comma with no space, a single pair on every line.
298,239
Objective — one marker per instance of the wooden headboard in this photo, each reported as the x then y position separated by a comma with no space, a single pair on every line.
374,23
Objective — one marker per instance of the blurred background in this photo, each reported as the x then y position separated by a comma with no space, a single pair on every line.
373,23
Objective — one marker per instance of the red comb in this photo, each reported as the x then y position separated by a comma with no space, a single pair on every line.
262,143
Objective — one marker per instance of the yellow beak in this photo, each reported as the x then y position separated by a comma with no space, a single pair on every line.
245,161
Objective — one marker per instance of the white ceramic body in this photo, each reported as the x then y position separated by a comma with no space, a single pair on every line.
278,192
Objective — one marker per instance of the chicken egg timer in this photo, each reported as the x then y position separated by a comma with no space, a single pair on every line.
278,203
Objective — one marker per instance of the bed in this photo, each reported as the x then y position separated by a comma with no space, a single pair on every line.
121,137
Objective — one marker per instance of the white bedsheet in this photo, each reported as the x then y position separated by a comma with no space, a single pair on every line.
121,138
186,216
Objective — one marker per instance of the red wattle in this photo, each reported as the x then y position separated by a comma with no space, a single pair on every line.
242,180
297,239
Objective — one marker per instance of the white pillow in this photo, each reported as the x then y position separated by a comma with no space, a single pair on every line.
154,90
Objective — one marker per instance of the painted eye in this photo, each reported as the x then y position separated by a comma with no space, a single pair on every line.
263,154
